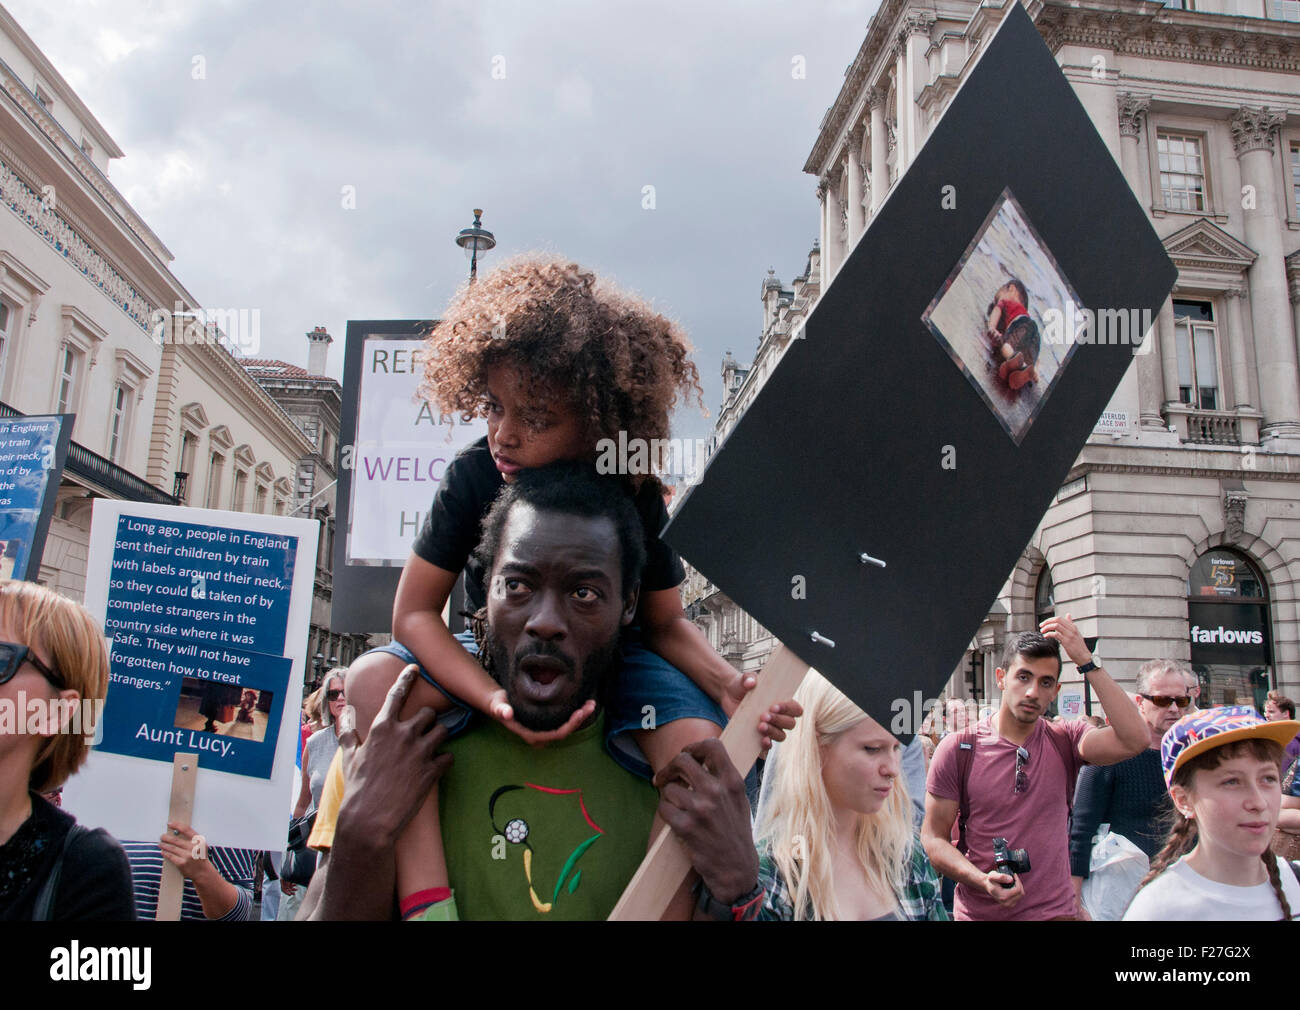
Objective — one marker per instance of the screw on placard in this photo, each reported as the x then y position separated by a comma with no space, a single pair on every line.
867,559
822,640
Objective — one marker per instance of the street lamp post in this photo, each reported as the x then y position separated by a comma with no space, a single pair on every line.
476,241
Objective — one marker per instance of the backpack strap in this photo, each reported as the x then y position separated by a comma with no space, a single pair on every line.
1065,748
43,907
965,758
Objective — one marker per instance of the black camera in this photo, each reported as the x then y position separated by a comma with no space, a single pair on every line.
1008,860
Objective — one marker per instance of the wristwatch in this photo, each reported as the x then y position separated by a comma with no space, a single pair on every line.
743,909
1088,667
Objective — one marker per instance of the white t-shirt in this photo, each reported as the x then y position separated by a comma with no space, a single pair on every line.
1182,893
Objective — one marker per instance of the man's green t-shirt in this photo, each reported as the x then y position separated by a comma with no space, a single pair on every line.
539,833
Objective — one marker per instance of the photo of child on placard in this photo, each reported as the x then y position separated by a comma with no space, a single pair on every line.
990,316
225,709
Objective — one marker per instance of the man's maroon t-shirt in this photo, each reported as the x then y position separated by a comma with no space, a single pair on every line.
1036,819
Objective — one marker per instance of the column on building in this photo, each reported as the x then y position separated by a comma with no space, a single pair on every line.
833,254
1168,351
879,148
902,99
914,40
823,186
857,217
1237,349
1254,134
1132,124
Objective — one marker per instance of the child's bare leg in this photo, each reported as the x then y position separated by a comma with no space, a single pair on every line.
421,861
660,746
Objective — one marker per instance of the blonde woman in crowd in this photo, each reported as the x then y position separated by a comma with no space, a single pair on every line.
834,830
52,661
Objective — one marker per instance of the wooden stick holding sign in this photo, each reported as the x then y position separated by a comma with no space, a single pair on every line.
171,887
666,865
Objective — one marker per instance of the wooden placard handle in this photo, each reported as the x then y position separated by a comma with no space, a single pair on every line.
171,886
666,865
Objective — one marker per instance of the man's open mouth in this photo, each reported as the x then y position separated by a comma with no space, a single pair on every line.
543,678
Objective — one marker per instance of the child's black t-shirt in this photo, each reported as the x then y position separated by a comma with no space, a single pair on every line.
470,485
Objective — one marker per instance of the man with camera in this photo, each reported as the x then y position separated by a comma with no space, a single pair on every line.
1011,780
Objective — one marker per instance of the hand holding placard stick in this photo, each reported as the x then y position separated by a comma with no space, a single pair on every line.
171,887
666,865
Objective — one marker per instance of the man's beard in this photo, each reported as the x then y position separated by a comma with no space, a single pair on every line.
596,675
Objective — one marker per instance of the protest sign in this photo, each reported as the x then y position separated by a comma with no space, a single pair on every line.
32,454
911,437
395,449
207,612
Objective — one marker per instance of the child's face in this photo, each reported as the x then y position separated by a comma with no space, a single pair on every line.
514,444
1236,805
1009,292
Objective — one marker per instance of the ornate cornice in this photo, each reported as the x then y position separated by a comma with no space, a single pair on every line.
877,39
1132,113
1181,36
1172,470
1255,129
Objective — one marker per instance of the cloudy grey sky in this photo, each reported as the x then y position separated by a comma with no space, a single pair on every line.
242,171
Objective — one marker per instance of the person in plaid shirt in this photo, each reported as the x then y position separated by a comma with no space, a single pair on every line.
834,832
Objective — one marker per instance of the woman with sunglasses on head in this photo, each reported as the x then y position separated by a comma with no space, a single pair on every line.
1223,767
317,754
52,660
1130,796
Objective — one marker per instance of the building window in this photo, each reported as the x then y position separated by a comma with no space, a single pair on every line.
69,363
1284,10
1182,171
1197,341
216,463
189,447
117,421
1044,597
1229,629
237,495
7,317
259,499
1295,173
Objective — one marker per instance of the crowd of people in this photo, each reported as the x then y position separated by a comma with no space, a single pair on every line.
522,768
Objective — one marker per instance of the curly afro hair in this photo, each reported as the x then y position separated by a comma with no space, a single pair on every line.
616,362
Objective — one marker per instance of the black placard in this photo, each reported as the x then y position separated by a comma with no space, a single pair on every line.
887,431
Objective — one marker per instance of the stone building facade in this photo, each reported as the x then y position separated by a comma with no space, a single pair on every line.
1177,531
94,323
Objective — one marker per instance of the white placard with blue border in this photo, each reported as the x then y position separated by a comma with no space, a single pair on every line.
208,615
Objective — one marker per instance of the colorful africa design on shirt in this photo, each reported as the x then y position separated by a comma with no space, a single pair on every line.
516,831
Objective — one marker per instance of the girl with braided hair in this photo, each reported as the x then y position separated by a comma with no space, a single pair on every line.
1223,767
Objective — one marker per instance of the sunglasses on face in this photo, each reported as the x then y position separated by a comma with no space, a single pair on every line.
13,655
1160,701
334,695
